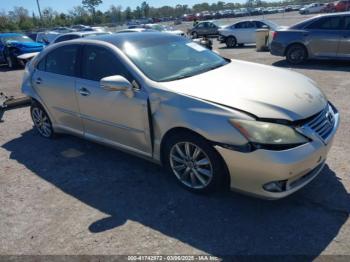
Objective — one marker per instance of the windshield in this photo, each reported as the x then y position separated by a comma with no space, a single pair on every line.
16,38
169,60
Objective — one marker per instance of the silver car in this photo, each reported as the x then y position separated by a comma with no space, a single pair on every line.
213,122
321,37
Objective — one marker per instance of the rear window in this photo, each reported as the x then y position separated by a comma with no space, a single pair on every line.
326,23
61,61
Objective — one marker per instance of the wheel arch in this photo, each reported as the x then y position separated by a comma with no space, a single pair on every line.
296,43
177,130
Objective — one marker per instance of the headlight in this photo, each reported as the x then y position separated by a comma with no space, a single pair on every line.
264,133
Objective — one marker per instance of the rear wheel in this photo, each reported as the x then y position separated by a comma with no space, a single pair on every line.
194,162
41,121
231,41
296,54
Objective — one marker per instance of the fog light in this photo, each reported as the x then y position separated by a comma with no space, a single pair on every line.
276,186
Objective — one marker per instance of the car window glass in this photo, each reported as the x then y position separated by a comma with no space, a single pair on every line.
201,25
98,62
62,60
259,24
327,23
347,22
41,65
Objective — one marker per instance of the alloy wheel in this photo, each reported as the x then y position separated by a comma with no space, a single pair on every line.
42,122
9,62
191,165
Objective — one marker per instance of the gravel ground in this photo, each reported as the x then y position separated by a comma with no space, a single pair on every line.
70,196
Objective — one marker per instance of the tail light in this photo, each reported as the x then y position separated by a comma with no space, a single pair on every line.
274,35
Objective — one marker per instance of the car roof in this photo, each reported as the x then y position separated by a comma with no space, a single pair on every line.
9,34
82,33
136,38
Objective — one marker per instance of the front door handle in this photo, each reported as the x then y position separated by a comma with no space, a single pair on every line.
84,92
38,81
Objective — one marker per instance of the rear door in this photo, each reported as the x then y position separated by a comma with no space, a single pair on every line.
323,36
344,45
54,79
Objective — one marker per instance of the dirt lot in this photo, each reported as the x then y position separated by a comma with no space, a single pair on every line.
70,196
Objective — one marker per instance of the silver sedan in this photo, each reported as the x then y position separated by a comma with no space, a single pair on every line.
212,122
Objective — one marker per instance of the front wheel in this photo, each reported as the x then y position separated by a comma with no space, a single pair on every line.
11,61
195,163
296,54
231,41
194,35
41,121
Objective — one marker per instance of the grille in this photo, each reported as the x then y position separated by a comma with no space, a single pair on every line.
323,123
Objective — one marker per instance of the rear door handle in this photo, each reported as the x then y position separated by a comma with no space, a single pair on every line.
38,81
84,92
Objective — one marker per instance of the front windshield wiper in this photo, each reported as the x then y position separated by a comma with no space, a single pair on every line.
210,68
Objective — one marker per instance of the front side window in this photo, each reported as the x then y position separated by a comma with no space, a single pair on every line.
61,61
326,23
99,62
168,60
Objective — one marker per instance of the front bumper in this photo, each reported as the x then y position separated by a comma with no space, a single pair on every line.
277,48
249,172
221,38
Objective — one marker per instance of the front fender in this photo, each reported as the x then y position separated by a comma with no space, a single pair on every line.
171,110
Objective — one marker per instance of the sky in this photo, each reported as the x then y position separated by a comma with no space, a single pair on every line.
64,5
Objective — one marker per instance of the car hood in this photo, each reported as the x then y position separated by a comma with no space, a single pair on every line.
174,32
264,91
25,44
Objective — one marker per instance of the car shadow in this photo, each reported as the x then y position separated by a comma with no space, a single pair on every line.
237,47
328,65
130,188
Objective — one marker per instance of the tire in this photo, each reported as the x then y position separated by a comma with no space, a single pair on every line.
41,121
194,35
11,61
296,54
194,163
231,41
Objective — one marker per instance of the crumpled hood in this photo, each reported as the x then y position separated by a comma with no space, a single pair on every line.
264,91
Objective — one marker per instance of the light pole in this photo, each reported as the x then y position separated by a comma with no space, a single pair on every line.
37,2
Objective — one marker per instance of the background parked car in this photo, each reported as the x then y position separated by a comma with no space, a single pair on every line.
322,37
204,28
13,45
342,6
75,35
312,8
243,32
328,8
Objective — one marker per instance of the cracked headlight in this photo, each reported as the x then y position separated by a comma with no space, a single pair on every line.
269,134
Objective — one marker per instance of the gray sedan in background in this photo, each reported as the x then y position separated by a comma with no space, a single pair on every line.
321,37
212,122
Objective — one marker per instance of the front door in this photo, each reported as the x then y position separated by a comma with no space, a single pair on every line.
323,36
112,117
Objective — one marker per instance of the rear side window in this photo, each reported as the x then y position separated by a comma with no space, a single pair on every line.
99,62
61,61
327,23
66,38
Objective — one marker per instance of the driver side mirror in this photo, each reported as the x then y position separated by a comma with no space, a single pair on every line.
117,83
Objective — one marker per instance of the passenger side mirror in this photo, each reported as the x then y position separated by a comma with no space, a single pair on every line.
117,83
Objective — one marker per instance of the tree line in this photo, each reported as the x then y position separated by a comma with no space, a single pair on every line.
19,18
